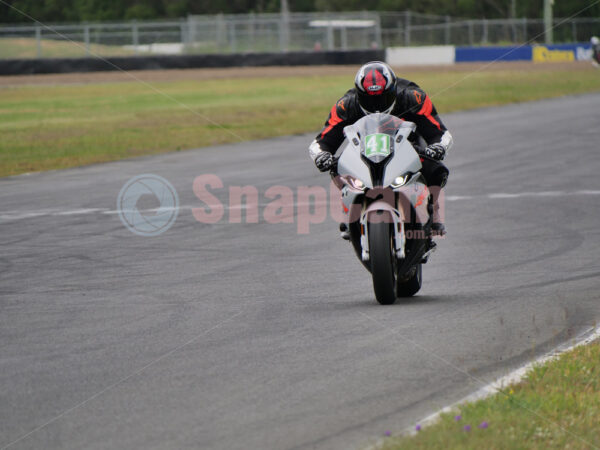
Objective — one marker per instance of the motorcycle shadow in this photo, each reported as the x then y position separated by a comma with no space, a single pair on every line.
421,299
417,299
401,301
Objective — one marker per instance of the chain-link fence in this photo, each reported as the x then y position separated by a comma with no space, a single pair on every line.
488,32
104,39
277,33
283,32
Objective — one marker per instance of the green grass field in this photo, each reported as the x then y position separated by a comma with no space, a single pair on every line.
27,48
59,126
20,48
557,406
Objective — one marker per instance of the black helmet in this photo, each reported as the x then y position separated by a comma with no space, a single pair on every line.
376,86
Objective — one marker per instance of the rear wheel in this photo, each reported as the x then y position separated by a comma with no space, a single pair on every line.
410,286
382,262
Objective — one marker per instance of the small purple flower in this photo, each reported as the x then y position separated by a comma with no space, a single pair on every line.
388,433
418,427
467,428
483,425
457,418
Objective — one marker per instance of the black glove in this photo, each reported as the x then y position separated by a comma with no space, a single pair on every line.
434,151
324,161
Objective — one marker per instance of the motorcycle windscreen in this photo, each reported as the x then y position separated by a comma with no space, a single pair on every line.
377,133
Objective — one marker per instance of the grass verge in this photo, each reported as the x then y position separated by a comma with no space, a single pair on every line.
60,126
54,48
557,406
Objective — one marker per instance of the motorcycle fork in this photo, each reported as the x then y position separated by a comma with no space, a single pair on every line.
399,235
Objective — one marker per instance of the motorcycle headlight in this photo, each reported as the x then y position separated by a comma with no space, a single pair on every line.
400,181
355,183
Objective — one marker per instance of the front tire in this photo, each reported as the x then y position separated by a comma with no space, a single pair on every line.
382,262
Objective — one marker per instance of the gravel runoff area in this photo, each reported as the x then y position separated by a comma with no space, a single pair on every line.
257,72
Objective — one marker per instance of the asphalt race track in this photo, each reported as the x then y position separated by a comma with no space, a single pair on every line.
252,336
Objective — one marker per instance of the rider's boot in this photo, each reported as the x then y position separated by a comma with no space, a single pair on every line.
437,227
344,233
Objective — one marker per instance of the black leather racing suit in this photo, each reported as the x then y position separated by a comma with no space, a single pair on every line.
412,104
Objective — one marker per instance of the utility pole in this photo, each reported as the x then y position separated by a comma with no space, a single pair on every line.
513,15
284,27
548,34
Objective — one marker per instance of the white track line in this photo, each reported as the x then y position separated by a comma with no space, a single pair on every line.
514,377
9,216
588,336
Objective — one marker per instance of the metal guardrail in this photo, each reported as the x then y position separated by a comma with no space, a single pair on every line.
276,32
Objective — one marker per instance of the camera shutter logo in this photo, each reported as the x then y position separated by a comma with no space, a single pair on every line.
153,221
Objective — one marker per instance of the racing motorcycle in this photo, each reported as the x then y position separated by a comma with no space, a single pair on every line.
386,203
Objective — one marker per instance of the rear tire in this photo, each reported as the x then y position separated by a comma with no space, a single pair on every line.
412,285
382,264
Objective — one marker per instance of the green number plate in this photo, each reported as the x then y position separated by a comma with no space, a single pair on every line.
377,144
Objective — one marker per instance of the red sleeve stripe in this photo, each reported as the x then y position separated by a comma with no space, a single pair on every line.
333,120
426,111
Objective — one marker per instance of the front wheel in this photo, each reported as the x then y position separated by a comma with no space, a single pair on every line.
382,262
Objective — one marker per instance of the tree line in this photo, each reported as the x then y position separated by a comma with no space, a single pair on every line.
99,10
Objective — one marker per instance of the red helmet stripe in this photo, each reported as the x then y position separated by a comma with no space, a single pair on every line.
374,83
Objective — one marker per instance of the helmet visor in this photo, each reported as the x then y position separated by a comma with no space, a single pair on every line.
377,103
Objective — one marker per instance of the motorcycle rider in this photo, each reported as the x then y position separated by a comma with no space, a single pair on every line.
377,89
595,50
